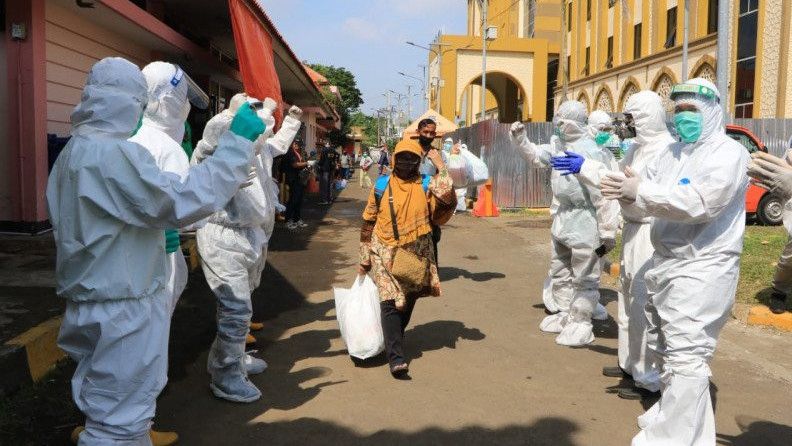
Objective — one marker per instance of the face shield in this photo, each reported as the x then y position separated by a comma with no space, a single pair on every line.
197,97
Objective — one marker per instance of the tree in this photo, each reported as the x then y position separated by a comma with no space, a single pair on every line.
351,97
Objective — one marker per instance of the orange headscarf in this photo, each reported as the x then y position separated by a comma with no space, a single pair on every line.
410,203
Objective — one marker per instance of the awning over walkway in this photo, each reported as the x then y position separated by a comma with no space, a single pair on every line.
443,125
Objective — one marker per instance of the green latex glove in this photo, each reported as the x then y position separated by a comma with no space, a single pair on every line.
172,242
247,124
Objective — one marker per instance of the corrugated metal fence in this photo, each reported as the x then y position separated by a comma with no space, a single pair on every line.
775,133
517,185
514,183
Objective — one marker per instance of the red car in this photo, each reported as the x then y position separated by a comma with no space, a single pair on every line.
759,202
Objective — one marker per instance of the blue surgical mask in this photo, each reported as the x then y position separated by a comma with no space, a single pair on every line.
602,138
688,125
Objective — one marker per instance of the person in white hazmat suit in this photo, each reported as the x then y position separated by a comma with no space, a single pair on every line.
161,133
583,229
600,126
651,137
695,192
233,246
109,205
461,192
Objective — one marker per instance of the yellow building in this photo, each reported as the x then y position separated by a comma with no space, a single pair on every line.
522,63
619,47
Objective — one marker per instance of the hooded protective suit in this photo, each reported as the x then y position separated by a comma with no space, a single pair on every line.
233,247
582,220
600,123
695,193
109,204
461,192
652,138
161,133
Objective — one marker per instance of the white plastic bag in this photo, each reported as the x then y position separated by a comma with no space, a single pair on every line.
458,171
359,318
478,173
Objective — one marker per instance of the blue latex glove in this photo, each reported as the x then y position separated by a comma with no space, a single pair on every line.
247,124
172,242
569,164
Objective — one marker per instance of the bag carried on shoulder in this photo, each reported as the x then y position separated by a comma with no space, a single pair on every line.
408,269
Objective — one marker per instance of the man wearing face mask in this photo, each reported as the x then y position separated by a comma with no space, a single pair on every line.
601,130
427,132
583,229
647,113
109,205
695,192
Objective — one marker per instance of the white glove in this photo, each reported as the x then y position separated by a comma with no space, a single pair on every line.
203,150
518,135
295,112
772,173
270,104
618,186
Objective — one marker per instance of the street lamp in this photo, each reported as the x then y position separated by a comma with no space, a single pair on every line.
423,86
439,55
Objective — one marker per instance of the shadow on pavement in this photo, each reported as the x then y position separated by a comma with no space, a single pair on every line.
448,273
437,335
548,431
756,432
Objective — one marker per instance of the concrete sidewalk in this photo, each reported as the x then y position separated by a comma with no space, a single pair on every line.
482,372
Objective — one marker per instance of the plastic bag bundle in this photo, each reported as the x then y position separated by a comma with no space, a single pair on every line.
478,172
458,171
359,319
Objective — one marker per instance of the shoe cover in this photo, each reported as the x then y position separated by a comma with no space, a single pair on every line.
253,365
547,296
226,366
554,323
576,333
600,313
649,416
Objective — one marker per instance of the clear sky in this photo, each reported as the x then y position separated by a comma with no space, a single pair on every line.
367,37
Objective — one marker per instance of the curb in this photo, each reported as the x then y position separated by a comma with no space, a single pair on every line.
761,315
29,356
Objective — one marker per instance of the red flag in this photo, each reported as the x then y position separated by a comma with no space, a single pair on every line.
255,55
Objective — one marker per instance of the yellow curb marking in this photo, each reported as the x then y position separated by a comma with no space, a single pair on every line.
761,315
40,343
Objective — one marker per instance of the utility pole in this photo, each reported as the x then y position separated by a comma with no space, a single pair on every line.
723,56
562,64
409,104
685,34
484,5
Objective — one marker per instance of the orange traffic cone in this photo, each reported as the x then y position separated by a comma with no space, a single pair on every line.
485,207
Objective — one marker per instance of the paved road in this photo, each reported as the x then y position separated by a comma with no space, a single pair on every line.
482,372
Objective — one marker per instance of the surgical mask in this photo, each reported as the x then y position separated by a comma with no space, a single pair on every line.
138,126
602,138
447,146
425,141
557,132
688,125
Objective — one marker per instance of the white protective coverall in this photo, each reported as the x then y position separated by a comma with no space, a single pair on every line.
109,204
461,192
600,121
161,133
696,194
652,138
582,220
233,246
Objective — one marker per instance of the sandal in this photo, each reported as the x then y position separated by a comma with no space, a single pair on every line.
400,371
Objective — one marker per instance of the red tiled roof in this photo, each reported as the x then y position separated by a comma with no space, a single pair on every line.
316,76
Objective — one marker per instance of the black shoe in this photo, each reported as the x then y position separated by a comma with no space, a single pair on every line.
778,302
400,371
636,393
615,372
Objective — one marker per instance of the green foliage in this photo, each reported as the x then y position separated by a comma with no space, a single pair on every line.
761,249
351,97
369,124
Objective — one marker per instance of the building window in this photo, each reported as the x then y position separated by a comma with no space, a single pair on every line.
746,58
712,16
637,41
568,68
569,16
609,60
671,26
588,9
586,69
552,82
529,11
